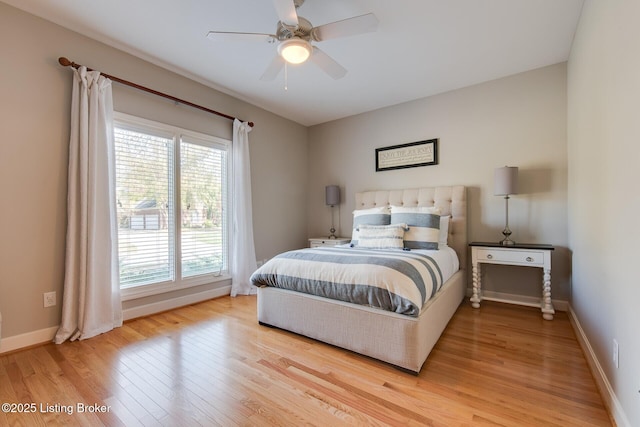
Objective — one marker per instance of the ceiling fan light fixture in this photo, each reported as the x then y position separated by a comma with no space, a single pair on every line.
295,50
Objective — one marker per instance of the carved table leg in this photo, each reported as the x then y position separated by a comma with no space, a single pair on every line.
477,285
547,306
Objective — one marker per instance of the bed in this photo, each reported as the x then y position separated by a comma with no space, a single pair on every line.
403,338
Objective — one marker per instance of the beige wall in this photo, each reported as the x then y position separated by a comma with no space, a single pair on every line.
604,204
516,121
34,117
519,120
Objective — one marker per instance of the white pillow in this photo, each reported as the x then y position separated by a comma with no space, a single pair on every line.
372,216
381,236
443,239
424,225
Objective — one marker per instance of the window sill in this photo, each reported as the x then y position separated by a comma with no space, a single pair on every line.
165,287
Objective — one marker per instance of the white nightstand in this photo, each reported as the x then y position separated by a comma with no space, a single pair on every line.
528,255
315,242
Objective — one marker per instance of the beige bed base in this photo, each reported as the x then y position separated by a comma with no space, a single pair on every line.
397,339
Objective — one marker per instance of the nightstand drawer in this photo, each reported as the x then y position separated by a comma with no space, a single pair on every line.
519,257
316,242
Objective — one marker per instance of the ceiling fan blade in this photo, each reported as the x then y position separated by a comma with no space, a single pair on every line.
227,36
347,27
286,10
328,64
273,69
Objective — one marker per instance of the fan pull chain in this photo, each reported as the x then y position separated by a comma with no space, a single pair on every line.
286,77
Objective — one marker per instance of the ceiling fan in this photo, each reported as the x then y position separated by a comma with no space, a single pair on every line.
295,34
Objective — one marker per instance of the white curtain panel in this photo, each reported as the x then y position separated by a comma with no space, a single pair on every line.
91,302
243,256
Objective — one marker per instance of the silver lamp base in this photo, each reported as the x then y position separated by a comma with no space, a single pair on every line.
507,241
506,232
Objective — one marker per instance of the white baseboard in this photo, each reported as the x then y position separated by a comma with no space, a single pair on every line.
528,301
606,391
42,336
157,307
28,339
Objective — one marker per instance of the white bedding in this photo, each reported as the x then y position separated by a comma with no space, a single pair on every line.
446,258
396,280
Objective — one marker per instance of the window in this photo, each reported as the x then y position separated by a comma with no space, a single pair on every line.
172,192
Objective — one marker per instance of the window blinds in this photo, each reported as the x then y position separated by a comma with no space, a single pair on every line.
171,206
144,195
202,200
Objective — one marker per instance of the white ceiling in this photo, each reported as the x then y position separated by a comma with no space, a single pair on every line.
421,48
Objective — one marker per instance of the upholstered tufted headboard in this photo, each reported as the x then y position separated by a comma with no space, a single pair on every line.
451,201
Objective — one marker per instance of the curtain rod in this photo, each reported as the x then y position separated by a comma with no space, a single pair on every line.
67,63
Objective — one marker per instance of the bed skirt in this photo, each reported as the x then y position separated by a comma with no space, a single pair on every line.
397,339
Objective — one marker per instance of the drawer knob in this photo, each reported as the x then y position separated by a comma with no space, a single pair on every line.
529,259
489,256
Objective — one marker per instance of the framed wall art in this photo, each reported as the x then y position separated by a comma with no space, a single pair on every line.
411,155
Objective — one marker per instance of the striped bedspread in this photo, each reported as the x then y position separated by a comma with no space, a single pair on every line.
393,280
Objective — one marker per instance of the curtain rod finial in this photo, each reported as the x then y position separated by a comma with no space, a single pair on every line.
64,61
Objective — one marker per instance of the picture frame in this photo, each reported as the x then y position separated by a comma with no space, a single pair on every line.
411,155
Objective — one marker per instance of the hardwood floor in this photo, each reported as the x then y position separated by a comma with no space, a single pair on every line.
212,364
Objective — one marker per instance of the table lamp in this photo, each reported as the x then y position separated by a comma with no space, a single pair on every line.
505,184
332,198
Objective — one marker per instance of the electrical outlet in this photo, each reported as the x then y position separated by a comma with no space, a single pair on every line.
49,299
615,353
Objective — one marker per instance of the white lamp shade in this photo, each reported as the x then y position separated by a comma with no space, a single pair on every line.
505,181
332,195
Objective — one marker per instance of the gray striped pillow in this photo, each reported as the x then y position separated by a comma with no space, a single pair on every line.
424,225
372,216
